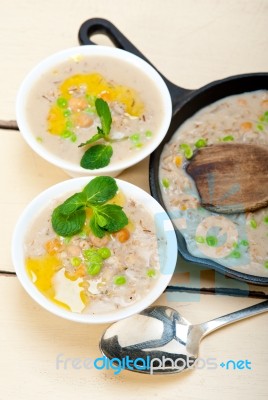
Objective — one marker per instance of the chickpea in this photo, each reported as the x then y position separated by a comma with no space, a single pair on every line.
77,104
83,120
99,242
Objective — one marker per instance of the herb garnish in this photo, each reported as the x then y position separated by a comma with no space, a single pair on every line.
69,218
98,156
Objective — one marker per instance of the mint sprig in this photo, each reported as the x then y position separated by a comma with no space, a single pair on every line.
98,156
69,218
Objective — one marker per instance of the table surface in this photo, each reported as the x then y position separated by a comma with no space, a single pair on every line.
192,43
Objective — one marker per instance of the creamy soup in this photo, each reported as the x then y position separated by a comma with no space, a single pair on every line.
87,274
238,241
62,113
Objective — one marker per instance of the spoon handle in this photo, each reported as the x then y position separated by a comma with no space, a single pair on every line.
210,326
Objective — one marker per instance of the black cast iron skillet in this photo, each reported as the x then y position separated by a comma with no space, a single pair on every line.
185,103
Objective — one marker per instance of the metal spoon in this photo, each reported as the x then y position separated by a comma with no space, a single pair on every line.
160,341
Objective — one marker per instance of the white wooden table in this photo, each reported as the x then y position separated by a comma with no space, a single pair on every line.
192,43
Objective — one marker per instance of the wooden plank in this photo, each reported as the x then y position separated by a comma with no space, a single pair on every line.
33,340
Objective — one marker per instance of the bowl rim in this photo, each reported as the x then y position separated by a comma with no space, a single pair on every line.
88,50
39,203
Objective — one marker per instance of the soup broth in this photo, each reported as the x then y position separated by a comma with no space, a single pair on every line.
87,274
61,107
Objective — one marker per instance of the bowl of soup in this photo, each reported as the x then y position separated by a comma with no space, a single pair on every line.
94,249
93,110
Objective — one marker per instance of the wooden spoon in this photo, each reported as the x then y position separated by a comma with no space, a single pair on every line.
231,178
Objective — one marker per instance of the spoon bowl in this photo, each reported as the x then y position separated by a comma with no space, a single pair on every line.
161,341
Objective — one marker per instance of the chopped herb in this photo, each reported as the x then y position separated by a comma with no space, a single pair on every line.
148,134
244,242
266,264
265,219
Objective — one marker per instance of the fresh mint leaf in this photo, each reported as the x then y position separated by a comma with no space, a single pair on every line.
73,203
95,228
100,189
115,217
68,225
94,138
69,218
104,113
97,156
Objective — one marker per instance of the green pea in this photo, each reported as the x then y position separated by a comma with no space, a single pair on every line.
120,280
200,239
253,223
76,261
94,268
148,134
66,134
62,102
87,253
69,124
211,241
93,257
201,143
67,113
228,138
104,252
187,151
151,273
260,127
235,254
165,183
135,137
73,138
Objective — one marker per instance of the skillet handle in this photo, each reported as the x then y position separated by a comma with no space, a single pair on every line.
100,25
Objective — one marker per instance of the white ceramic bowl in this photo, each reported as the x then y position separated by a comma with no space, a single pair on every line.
164,229
110,54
